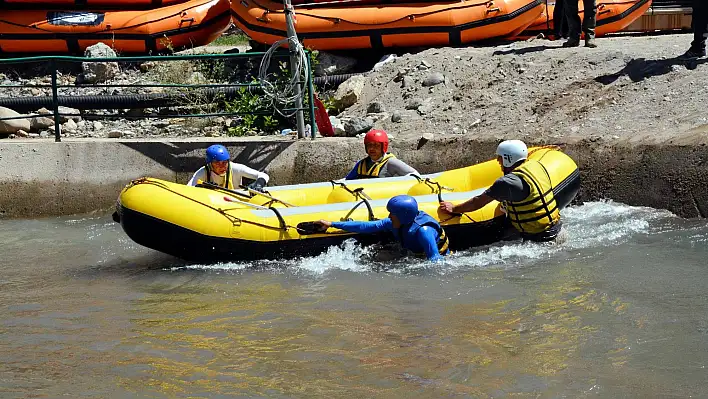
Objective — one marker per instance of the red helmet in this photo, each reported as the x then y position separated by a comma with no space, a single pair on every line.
377,136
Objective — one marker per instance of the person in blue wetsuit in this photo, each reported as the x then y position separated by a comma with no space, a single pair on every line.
417,231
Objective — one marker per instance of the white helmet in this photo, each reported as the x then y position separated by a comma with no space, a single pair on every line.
512,151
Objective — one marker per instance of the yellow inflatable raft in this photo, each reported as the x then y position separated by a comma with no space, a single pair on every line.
210,223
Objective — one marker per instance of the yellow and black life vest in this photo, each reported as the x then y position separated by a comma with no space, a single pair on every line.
538,212
227,181
375,169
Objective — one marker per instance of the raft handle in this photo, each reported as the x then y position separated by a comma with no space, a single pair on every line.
283,226
368,207
357,192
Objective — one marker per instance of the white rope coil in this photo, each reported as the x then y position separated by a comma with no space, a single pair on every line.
287,94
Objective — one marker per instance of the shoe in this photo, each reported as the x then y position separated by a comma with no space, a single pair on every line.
572,43
693,53
590,42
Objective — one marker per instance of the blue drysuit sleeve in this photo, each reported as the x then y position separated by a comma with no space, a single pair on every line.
365,227
428,239
352,175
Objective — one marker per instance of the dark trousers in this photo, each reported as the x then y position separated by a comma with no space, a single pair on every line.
589,18
560,25
699,22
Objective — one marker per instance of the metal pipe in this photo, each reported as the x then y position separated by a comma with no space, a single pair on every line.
136,101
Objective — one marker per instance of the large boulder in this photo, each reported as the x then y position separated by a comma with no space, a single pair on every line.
12,126
349,92
98,72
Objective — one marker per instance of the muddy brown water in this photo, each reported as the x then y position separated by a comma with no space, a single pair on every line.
619,310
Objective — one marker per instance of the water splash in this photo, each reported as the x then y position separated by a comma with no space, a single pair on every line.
593,224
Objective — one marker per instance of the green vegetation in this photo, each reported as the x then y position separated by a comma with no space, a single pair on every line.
231,40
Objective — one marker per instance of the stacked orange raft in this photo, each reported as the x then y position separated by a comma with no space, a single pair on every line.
612,16
357,24
128,26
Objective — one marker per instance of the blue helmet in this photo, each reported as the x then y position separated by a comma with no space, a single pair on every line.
216,153
404,207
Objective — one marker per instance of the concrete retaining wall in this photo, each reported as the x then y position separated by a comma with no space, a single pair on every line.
44,178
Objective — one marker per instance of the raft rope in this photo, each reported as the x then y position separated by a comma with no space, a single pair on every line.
233,219
288,94
359,194
337,20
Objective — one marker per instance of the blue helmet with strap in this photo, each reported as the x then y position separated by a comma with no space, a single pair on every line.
404,207
217,153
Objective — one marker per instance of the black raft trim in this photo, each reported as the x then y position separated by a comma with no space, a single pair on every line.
454,30
114,36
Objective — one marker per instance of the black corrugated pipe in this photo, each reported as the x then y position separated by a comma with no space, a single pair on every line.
137,101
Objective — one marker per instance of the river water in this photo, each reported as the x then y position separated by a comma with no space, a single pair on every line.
618,311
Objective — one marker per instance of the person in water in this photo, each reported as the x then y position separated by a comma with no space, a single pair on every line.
525,190
379,162
221,171
416,231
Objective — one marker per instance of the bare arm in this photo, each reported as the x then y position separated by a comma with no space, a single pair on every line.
470,205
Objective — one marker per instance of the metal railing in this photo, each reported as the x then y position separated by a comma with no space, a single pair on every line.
226,90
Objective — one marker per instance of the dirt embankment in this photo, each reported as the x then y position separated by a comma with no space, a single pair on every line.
628,88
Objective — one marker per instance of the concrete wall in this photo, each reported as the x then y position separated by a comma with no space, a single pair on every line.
42,178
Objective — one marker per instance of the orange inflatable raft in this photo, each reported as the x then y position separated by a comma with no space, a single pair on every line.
190,24
338,25
81,4
612,16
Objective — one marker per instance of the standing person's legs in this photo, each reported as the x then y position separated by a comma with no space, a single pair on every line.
589,22
560,25
700,26
573,19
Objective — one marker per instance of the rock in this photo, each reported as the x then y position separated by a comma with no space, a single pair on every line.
65,113
414,103
424,139
375,107
349,92
377,116
330,64
44,111
97,126
408,81
402,72
196,78
397,116
45,134
39,123
383,61
70,126
147,66
115,134
35,91
433,79
98,72
21,133
162,124
12,125
427,107
338,126
358,125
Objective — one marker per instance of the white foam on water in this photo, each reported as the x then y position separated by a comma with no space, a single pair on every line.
349,256
593,224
